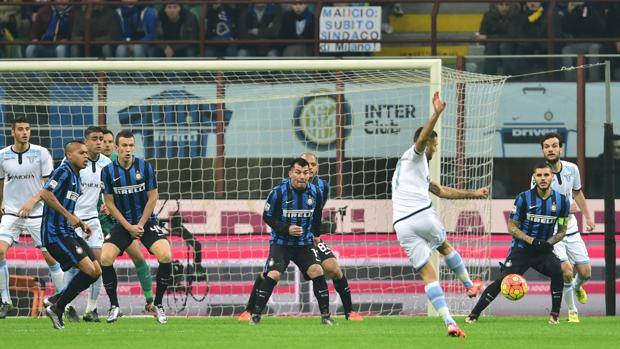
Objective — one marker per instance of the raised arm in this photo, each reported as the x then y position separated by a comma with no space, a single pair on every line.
439,107
453,193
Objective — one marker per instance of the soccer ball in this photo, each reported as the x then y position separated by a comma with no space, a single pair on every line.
514,287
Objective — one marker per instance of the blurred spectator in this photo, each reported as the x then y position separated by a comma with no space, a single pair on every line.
138,23
259,21
582,20
52,23
104,26
298,23
388,9
10,28
532,23
597,188
221,26
496,24
176,23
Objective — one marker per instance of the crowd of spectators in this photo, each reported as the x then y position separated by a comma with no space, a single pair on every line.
57,22
576,19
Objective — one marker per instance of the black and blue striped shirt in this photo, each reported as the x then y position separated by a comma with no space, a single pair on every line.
323,187
65,184
537,217
288,206
129,187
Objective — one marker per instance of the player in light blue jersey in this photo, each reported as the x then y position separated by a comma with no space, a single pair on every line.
572,249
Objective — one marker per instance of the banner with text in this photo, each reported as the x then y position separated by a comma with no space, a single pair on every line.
350,24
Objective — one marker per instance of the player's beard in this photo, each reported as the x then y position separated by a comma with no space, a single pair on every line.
552,161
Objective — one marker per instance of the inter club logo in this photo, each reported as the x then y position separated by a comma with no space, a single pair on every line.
315,119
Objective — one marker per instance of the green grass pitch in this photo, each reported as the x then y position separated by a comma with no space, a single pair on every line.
307,332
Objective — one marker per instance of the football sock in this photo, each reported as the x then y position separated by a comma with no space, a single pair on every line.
146,281
342,287
4,282
252,300
488,295
66,280
263,294
455,263
557,284
57,276
163,277
93,294
109,283
578,282
321,292
78,284
438,300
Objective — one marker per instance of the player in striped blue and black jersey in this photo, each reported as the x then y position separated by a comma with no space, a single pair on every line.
293,211
534,216
130,195
329,263
60,194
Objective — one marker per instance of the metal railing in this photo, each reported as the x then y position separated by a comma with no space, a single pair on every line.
202,42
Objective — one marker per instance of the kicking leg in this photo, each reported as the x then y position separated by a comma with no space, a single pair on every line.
455,263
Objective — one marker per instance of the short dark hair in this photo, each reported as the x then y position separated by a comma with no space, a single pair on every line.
71,142
19,120
123,134
92,129
541,164
299,161
107,132
416,135
551,135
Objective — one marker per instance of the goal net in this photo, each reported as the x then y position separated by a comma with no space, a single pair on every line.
221,134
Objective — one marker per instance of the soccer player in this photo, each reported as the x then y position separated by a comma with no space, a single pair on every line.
293,211
571,250
130,195
416,223
329,263
24,167
535,214
60,194
142,268
86,210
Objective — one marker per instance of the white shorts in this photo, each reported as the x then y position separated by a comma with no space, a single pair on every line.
419,235
572,249
12,226
96,237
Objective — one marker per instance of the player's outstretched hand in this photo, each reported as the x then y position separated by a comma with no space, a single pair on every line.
295,230
590,225
136,231
438,104
482,193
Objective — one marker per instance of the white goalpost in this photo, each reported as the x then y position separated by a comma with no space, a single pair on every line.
220,135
